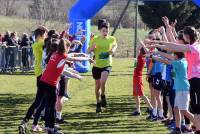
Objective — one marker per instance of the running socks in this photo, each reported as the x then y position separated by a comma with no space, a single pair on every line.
160,113
103,101
98,107
59,115
98,104
155,112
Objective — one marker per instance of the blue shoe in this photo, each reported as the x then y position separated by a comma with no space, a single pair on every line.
150,116
60,121
184,129
176,132
160,118
136,113
154,118
170,123
172,126
149,111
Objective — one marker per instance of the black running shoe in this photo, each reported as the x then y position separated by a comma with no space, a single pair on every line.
154,118
103,101
149,111
160,118
22,129
186,130
55,132
176,132
60,121
136,113
98,108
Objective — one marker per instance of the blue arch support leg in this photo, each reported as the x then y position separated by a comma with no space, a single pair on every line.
79,15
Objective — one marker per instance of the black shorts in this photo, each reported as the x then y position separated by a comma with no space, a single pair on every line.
157,82
38,80
195,95
61,87
96,72
150,78
166,87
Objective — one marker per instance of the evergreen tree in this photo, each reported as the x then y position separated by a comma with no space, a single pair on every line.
185,12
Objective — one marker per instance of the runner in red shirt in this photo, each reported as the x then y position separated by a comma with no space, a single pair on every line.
50,78
55,65
138,87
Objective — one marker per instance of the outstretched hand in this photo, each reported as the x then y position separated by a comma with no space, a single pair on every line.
165,21
173,24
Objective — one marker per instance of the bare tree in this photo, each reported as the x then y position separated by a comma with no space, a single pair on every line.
50,12
8,7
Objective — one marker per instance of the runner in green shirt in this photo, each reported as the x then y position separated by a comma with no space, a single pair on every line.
103,46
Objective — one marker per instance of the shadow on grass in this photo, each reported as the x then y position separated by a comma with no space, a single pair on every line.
116,118
13,108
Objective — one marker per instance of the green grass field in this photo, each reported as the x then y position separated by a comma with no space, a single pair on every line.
17,93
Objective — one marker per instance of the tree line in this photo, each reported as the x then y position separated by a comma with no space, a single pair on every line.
45,11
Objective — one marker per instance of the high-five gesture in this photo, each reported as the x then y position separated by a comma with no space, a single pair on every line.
173,24
165,21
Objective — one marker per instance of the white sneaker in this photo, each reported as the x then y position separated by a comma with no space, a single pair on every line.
46,129
65,99
36,128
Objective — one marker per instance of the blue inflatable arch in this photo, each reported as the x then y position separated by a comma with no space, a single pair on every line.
81,13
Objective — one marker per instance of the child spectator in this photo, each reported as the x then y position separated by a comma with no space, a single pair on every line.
138,87
181,86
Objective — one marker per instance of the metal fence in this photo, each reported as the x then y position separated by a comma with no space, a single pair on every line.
13,58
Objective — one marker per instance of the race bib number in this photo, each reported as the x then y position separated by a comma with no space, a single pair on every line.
104,55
